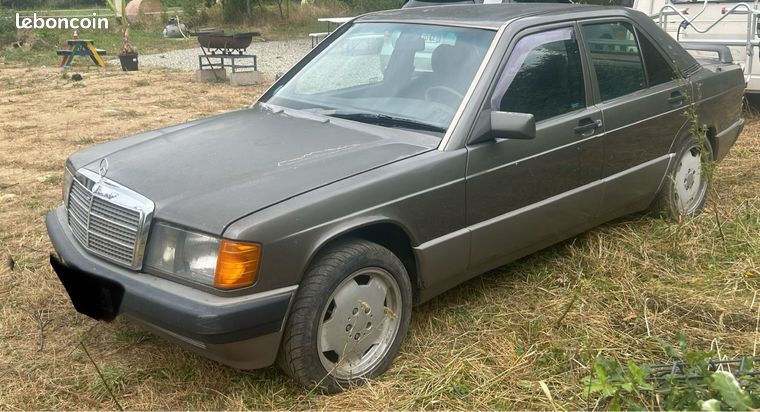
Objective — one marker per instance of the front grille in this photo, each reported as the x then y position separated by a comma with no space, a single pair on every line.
109,220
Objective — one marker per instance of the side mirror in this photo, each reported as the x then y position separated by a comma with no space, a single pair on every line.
510,125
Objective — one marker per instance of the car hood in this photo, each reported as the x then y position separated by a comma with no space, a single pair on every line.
208,173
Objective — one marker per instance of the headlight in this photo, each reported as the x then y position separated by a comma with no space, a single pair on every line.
68,179
181,253
201,258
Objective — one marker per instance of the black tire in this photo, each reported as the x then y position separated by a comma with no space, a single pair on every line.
667,203
300,355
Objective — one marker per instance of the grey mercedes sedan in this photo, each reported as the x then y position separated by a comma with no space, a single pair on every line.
409,152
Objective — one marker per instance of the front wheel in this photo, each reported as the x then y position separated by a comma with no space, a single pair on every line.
350,316
685,189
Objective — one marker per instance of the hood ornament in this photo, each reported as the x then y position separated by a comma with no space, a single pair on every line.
103,168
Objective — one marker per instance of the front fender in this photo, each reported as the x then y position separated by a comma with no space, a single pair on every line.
424,196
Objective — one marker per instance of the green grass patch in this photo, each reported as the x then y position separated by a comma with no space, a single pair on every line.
40,47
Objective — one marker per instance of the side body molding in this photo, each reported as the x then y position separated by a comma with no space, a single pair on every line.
449,260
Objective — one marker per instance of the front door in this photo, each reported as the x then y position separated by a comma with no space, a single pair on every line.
523,195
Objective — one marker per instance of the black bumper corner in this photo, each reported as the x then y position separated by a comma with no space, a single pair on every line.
726,139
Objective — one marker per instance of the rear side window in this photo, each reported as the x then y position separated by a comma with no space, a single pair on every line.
543,76
658,69
615,55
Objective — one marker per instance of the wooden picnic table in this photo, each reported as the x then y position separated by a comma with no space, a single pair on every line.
81,47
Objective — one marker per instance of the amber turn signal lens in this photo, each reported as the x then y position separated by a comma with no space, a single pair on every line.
237,265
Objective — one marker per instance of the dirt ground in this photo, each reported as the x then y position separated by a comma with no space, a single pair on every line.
498,342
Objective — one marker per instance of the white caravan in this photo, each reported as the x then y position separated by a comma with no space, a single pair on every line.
711,24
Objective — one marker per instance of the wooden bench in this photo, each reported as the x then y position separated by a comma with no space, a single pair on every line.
317,37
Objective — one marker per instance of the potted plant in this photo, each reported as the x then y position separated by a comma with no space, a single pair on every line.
127,54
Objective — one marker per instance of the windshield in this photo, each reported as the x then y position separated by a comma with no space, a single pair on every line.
395,75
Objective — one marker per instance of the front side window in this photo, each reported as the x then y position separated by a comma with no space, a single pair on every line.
543,76
615,55
376,71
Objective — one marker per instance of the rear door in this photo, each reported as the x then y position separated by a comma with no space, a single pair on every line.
642,101
525,194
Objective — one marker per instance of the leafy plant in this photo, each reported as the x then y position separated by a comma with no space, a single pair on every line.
691,382
699,131
126,47
622,387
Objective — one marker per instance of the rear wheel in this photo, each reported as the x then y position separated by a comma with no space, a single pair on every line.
350,316
685,189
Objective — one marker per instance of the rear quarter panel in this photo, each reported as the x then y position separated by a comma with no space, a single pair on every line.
717,91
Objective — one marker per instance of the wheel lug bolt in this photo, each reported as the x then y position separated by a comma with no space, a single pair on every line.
369,325
355,311
366,309
348,328
357,336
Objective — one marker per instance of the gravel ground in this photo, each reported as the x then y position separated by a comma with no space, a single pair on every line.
272,56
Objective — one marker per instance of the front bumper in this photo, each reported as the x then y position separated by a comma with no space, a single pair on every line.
242,331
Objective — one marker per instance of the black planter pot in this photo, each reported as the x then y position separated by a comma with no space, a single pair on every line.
128,62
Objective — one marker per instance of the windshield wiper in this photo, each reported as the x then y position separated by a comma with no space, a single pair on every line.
389,121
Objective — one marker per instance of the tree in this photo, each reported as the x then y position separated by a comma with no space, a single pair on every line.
283,13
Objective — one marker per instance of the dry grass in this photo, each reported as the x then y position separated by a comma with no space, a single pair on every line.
489,344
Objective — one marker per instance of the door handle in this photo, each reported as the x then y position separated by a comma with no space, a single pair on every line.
675,98
587,125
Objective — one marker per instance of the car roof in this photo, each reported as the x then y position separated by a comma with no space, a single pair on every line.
494,16
490,16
